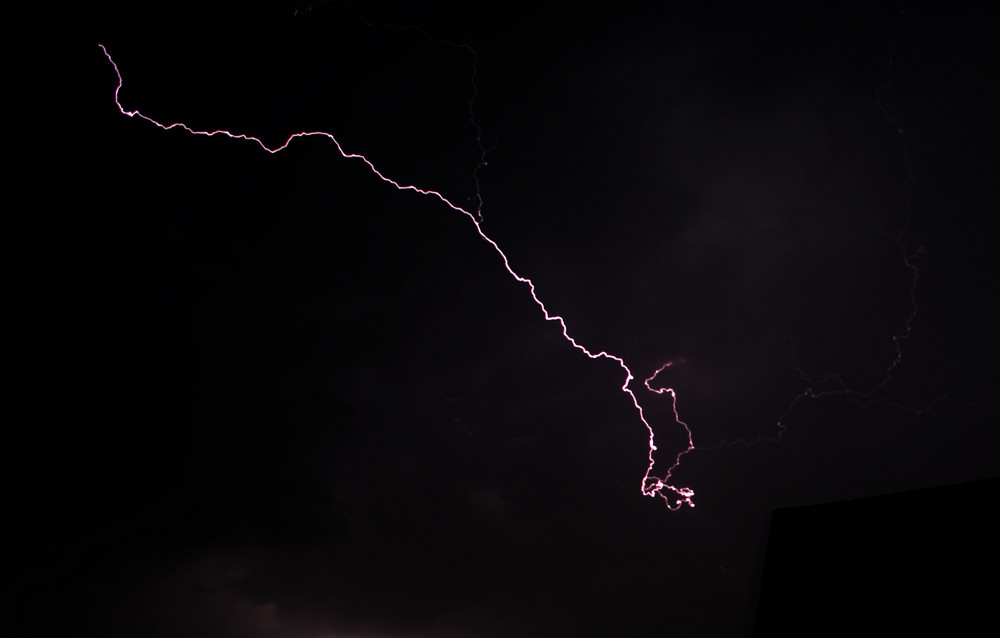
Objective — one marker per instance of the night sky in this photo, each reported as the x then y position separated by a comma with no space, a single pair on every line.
270,396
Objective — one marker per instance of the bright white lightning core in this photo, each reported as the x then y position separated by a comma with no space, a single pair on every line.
652,485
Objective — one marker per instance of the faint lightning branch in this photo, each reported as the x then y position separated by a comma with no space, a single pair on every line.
483,152
674,497
833,385
908,257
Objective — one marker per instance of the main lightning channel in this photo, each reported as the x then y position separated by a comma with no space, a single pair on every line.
674,497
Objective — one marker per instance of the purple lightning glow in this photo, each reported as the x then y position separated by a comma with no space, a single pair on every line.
673,496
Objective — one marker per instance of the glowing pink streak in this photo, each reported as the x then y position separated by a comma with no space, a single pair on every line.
677,417
651,485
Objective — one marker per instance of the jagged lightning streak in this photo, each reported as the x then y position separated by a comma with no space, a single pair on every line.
652,485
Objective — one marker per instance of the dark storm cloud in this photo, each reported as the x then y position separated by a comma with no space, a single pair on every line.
386,575
753,198
787,213
269,593
730,220
298,404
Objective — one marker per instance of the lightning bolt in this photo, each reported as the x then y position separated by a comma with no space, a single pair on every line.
653,486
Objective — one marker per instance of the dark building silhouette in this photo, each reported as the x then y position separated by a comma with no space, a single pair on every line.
922,562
